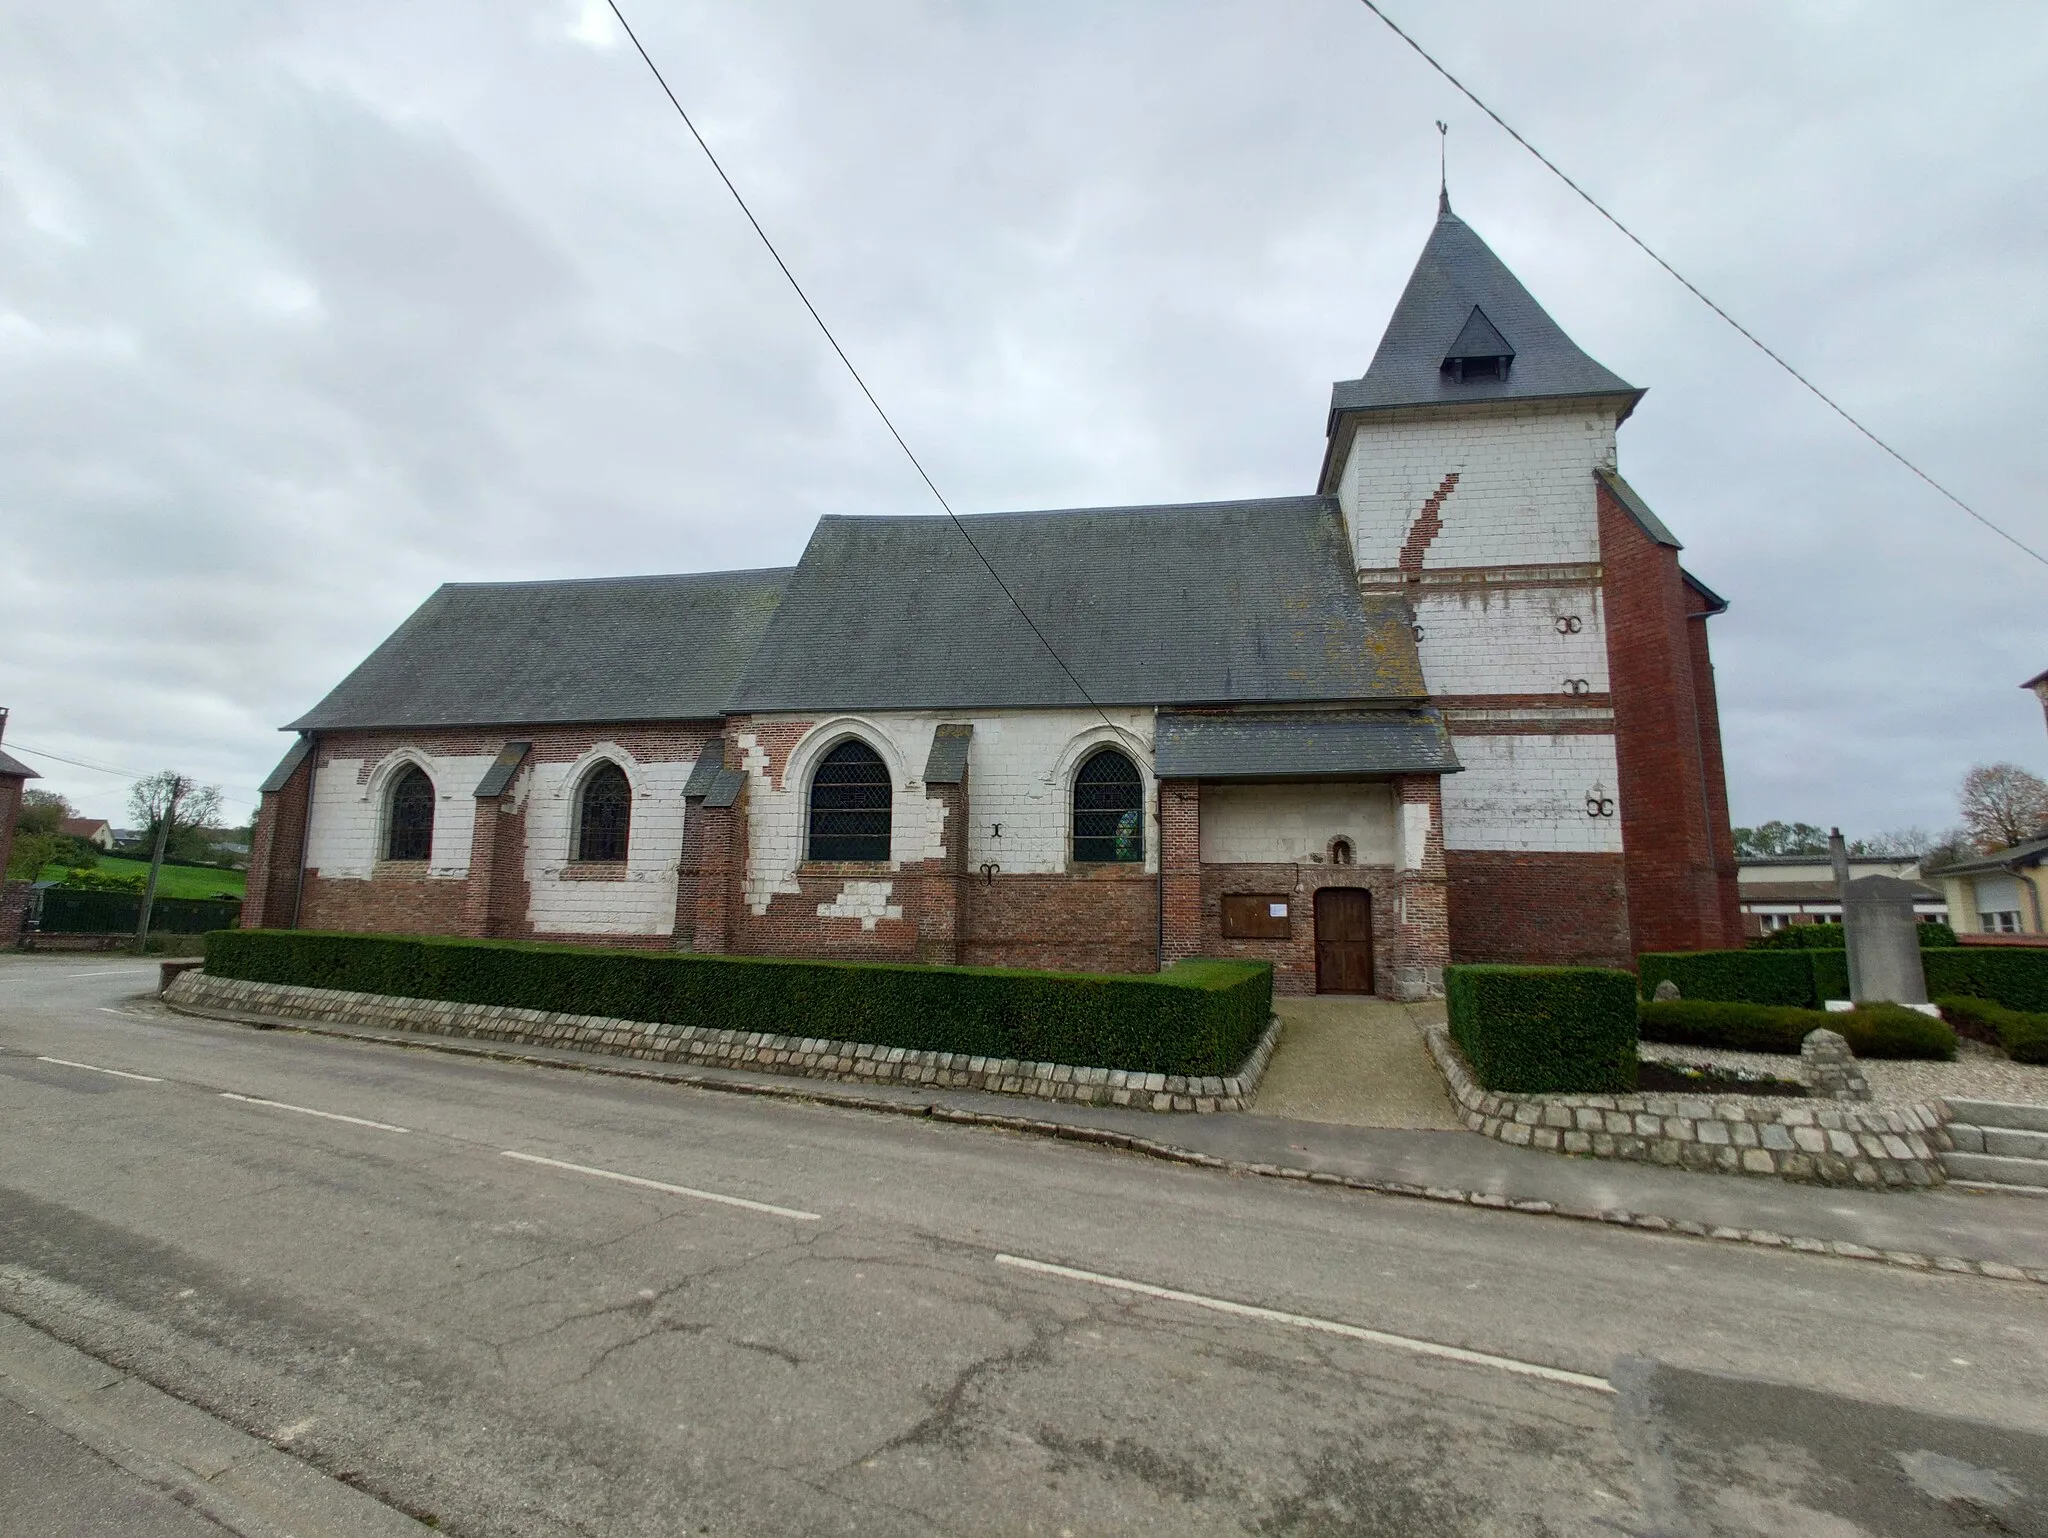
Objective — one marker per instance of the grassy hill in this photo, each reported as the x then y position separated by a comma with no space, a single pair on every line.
175,881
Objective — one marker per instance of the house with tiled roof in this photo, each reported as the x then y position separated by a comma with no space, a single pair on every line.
1454,703
95,831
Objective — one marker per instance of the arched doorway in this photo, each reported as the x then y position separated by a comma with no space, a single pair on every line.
1343,940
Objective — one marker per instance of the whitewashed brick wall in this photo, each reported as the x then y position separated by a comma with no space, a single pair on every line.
644,902
1293,824
1487,639
346,838
1021,766
1529,794
1524,492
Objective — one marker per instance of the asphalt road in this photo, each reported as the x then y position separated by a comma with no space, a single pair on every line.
793,1319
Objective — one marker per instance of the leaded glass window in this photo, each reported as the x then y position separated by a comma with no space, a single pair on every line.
410,835
850,799
1109,810
605,815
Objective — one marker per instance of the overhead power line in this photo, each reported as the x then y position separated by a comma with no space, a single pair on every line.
125,774
1693,288
798,288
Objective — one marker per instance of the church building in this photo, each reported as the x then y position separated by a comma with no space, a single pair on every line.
1453,705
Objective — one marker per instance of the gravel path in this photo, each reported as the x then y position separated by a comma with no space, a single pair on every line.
1979,1073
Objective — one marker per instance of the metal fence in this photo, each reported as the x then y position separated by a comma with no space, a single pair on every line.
76,911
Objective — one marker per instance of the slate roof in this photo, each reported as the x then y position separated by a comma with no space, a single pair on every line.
14,769
1638,509
279,777
2028,852
946,764
503,768
534,653
1302,745
704,773
1207,603
1456,274
1715,603
1816,891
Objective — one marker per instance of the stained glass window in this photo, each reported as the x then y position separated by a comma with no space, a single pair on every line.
411,832
1109,810
850,799
605,816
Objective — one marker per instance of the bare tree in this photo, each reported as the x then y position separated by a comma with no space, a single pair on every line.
1897,843
164,802
149,799
1951,846
2003,805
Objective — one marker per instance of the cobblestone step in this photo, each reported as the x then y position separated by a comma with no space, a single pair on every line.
1996,1169
1997,1113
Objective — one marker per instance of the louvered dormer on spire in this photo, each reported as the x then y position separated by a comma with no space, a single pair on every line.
1480,352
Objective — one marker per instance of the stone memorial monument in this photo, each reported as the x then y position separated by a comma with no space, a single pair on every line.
1882,934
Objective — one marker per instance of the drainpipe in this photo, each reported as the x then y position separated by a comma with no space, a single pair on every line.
2033,891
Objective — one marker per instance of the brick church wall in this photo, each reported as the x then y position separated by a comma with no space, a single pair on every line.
1521,906
1707,707
1105,921
277,848
1483,518
498,867
11,789
1674,897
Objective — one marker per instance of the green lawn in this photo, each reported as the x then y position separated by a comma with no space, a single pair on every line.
176,880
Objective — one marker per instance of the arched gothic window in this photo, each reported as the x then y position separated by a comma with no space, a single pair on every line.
604,814
850,800
1109,809
409,832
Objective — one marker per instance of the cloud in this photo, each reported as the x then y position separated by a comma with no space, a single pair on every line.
306,309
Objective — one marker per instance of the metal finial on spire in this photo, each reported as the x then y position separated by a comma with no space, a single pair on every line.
1443,167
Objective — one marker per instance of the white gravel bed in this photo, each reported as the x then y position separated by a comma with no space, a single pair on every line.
1979,1073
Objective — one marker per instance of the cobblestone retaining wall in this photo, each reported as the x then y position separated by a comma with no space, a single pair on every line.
1826,1142
761,1052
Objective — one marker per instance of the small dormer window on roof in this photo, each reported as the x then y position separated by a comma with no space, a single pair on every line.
1480,352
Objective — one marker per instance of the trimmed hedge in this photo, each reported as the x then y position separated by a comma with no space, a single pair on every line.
1545,1030
2014,976
2024,1036
1829,937
1200,1017
1874,1030
1744,977
1800,937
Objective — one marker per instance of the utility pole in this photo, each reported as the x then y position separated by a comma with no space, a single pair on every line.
156,861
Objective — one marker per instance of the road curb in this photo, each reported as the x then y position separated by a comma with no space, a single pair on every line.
245,1483
1130,1142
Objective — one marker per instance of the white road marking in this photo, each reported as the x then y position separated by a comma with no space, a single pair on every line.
109,972
125,1014
306,1110
663,1185
1309,1322
65,1062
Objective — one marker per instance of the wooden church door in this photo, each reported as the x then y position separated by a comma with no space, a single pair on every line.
1343,940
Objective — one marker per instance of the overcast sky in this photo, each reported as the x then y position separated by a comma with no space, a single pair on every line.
308,308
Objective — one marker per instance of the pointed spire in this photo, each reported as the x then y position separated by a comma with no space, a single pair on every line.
1461,298
1443,169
